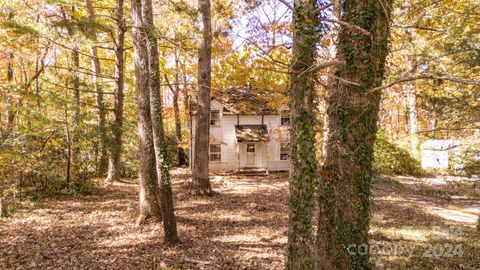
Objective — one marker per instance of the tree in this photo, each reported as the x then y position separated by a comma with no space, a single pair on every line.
114,164
344,192
303,104
149,192
102,164
161,155
478,223
182,159
201,182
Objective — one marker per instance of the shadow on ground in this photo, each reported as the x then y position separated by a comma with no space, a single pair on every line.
244,226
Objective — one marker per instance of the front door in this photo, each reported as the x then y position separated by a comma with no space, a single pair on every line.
250,154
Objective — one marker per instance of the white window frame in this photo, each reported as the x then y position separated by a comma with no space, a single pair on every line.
217,154
217,121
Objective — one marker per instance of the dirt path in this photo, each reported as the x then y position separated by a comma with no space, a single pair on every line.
243,227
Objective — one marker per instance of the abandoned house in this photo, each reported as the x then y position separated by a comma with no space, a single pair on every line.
246,133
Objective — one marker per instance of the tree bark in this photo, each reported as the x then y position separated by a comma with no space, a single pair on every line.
114,164
412,107
181,158
75,138
161,155
3,207
102,158
149,192
478,223
10,106
344,193
201,183
303,108
333,54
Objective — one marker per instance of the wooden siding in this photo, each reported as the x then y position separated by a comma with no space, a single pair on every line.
268,153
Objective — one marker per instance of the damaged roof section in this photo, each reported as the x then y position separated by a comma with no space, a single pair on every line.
249,101
251,133
245,100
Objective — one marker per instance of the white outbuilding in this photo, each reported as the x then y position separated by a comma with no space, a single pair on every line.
436,154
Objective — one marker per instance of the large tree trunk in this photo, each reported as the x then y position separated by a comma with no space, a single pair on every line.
101,113
201,183
114,165
303,107
149,192
161,155
344,193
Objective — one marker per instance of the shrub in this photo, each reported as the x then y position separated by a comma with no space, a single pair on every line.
392,159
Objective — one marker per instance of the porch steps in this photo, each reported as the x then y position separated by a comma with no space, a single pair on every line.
253,171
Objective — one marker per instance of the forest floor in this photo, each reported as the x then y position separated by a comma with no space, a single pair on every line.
244,226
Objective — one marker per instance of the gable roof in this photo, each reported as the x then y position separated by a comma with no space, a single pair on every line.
251,133
248,100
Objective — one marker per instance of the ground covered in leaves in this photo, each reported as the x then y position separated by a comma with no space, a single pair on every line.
244,226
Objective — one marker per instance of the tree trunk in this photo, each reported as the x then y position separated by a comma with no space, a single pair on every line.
333,54
114,164
478,223
102,158
149,192
412,107
303,108
68,143
10,102
161,155
3,207
75,138
182,160
344,193
201,182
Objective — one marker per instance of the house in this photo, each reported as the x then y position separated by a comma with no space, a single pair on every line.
246,134
436,154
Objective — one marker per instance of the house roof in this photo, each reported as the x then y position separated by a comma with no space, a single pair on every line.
251,133
440,144
247,100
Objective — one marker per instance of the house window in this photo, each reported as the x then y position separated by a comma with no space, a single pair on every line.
285,118
284,151
215,152
215,118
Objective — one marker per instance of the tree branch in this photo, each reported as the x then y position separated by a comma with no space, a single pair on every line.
355,27
286,4
424,77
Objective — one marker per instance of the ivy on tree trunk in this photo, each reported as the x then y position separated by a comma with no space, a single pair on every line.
149,191
303,106
344,192
161,156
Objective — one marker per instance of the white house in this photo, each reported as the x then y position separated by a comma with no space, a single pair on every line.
246,135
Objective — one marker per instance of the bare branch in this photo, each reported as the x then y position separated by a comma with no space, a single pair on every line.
286,4
343,80
424,77
320,9
355,27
